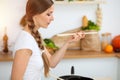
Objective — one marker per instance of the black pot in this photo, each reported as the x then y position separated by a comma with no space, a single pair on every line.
74,77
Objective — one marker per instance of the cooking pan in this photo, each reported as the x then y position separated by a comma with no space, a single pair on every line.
74,77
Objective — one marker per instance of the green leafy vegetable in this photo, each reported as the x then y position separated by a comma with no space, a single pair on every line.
49,43
91,26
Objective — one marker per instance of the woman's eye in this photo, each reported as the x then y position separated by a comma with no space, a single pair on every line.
48,14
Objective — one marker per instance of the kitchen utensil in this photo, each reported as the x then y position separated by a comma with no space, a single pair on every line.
69,34
74,77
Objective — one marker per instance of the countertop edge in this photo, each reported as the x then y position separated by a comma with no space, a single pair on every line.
71,54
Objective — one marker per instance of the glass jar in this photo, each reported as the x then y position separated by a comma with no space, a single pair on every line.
106,39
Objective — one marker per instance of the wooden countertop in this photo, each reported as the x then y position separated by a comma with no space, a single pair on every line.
70,54
6,56
88,54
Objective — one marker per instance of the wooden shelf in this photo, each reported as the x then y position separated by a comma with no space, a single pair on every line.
6,56
81,2
70,54
88,54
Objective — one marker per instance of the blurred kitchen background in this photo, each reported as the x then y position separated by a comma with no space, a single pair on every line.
66,17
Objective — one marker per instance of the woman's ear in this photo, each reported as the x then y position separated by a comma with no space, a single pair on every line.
34,18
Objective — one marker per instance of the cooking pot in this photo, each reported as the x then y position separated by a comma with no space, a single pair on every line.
74,77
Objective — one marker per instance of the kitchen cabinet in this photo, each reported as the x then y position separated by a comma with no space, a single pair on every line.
5,70
6,60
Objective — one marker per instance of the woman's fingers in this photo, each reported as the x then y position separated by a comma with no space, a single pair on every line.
81,34
77,36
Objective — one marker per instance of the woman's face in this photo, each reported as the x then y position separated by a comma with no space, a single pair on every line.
45,18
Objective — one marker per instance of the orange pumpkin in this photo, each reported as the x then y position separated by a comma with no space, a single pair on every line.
116,43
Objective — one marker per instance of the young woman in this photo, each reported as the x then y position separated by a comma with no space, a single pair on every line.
30,54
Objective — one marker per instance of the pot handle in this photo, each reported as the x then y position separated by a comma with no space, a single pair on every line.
72,70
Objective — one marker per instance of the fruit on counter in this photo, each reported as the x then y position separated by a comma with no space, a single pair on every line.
108,48
49,43
116,43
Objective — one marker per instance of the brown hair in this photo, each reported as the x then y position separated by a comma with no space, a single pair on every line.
34,7
23,21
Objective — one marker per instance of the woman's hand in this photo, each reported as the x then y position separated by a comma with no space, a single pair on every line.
76,36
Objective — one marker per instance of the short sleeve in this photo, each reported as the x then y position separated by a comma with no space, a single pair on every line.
24,41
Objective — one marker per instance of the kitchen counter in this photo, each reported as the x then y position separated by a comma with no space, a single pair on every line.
6,56
69,55
88,54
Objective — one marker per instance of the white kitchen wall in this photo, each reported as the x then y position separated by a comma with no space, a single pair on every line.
11,12
66,17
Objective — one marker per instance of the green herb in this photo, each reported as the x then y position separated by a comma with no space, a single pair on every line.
49,43
70,0
91,26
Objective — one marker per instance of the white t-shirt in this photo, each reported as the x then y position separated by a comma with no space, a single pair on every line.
35,64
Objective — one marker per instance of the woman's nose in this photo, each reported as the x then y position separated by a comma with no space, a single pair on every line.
52,18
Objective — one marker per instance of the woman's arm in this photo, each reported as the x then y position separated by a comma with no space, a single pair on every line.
20,63
54,59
